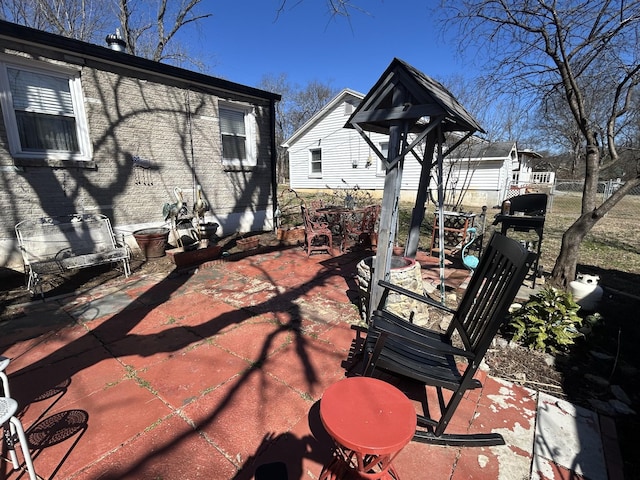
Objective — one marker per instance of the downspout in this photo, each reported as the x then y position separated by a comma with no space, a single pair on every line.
193,159
274,162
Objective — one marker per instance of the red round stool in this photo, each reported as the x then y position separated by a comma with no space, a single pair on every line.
370,422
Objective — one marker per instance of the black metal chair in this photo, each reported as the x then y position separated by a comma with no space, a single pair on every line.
406,350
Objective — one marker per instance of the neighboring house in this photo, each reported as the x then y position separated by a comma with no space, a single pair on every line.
90,129
483,171
323,155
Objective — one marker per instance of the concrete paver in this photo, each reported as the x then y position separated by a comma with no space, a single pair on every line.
218,374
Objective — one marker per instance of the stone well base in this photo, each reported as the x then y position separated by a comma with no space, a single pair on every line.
405,272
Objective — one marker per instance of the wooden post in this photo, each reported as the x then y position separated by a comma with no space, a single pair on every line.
390,199
417,215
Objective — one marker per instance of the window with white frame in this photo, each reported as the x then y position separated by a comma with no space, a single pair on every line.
43,110
315,163
381,171
238,132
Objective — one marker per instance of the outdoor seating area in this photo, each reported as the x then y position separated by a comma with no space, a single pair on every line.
220,372
347,227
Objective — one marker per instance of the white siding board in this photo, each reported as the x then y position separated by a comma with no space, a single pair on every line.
342,146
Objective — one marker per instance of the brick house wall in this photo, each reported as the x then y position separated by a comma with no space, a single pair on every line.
168,118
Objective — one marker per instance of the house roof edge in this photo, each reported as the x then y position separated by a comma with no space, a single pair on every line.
31,36
321,113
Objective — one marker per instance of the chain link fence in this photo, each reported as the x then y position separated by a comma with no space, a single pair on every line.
567,197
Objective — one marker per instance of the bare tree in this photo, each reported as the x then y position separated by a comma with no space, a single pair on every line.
149,34
298,105
537,48
78,19
501,118
284,129
148,27
309,100
335,8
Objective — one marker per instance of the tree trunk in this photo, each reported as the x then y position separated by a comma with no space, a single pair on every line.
564,270
592,174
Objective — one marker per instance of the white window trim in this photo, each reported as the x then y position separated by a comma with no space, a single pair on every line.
250,126
313,174
381,171
82,130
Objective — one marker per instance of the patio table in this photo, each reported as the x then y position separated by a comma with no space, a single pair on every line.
370,422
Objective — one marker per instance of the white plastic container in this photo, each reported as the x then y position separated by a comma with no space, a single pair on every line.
586,291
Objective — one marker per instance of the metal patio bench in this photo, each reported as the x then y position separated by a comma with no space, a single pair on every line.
54,245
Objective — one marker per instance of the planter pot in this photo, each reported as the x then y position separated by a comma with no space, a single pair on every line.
290,236
203,253
245,244
152,241
208,231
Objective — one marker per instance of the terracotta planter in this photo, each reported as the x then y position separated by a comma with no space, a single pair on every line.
290,236
152,241
203,253
245,244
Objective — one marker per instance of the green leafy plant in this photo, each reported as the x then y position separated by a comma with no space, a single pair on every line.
548,321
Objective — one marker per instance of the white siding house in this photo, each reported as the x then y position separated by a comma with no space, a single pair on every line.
482,170
323,155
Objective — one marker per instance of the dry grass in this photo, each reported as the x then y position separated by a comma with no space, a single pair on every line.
611,249
614,243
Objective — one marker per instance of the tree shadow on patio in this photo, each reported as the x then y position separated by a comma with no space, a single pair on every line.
122,328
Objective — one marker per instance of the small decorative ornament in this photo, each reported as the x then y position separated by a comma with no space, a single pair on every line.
586,291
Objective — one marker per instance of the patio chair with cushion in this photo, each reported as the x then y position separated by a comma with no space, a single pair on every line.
317,235
447,361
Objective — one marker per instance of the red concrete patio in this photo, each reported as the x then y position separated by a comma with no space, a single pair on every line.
217,373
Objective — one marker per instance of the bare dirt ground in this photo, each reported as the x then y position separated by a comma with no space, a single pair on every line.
591,374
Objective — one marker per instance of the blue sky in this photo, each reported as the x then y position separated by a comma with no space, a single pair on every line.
243,41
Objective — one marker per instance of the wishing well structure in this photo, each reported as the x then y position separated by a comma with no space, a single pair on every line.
416,112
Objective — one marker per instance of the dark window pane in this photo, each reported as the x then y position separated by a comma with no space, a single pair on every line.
233,148
46,132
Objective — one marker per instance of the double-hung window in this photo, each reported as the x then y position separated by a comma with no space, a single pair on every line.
238,133
315,163
43,112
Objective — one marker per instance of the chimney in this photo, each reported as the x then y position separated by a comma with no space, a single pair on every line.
115,41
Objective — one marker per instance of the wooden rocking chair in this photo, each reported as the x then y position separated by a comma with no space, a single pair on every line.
407,350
